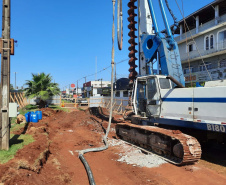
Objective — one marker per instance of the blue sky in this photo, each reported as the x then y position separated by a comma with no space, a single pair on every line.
63,38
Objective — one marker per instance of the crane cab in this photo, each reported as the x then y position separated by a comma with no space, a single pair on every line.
147,95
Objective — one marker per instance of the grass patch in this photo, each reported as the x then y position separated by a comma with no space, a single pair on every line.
16,142
66,101
13,120
16,127
81,109
28,108
31,107
56,107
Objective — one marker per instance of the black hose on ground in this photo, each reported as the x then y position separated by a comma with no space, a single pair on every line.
88,170
81,152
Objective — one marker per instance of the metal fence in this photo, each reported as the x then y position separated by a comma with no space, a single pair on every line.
56,100
119,103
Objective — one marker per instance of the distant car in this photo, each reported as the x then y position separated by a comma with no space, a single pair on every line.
82,101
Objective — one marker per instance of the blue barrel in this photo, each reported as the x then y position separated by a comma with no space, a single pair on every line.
34,117
39,114
27,117
30,115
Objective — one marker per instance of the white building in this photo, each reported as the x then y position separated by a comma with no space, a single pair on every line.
121,88
94,88
203,46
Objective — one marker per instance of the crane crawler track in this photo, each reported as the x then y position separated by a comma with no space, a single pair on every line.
172,145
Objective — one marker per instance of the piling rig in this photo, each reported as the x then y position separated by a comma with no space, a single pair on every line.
161,104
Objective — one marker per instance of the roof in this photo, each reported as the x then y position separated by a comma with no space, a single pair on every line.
205,14
122,84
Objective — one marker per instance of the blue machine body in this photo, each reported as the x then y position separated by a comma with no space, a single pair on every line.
164,46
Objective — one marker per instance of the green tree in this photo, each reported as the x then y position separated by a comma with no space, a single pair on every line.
11,87
41,87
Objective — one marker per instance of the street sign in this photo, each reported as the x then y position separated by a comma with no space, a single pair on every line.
72,85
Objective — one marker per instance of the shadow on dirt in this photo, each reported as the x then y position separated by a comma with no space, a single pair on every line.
95,120
214,154
15,140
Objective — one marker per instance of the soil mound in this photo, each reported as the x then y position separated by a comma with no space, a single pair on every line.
53,157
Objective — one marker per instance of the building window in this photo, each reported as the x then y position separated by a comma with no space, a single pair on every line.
222,39
125,93
187,71
204,67
191,47
209,42
209,66
223,63
117,94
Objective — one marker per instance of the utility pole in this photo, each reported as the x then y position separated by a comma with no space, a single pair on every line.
5,76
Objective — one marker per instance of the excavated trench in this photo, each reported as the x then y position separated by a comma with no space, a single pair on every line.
52,157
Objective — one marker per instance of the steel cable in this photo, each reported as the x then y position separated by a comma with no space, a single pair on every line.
173,16
185,22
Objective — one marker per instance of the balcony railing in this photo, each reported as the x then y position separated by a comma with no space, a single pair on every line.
202,28
217,47
200,74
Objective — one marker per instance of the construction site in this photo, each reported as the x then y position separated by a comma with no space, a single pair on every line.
163,125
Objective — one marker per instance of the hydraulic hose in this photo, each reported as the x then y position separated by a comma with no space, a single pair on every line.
88,170
82,152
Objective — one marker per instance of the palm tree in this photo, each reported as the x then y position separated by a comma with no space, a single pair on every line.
41,87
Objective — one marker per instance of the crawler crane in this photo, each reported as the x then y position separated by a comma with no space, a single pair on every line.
160,101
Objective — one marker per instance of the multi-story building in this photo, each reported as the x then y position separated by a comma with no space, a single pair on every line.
95,88
202,43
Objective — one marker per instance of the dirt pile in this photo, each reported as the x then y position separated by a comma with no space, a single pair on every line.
53,158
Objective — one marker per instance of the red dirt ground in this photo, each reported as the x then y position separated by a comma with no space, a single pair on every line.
52,158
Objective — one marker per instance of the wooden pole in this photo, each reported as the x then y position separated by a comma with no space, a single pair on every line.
5,76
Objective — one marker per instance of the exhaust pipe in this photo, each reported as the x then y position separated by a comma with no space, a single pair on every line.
180,85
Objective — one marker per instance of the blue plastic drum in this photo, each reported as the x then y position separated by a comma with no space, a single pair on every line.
34,118
27,117
39,114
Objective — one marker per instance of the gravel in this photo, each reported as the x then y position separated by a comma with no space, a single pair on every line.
133,156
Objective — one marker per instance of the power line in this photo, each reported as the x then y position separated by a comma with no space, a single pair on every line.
93,74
